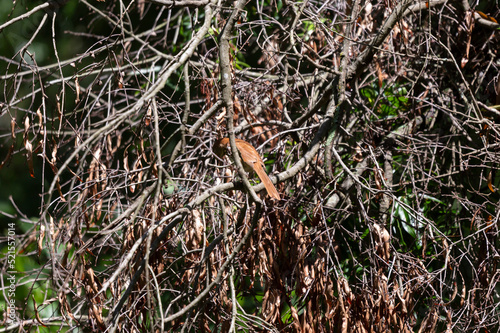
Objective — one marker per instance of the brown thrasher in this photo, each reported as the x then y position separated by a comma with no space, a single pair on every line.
251,161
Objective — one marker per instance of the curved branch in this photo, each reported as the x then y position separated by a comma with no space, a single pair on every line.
367,55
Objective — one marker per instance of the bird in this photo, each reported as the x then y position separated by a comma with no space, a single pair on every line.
251,161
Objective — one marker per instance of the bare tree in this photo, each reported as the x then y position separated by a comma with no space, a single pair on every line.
379,124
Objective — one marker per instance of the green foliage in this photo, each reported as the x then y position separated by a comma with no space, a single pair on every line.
388,100
412,220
